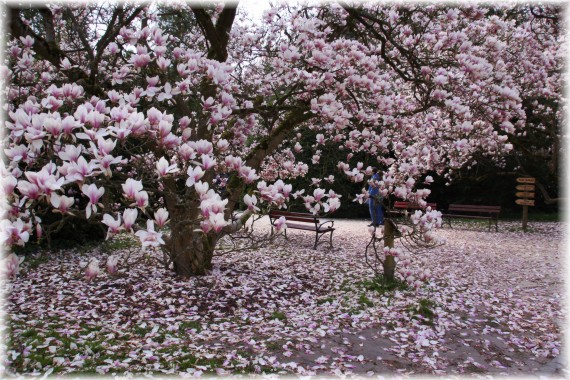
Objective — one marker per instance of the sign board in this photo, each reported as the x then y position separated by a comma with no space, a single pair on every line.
526,180
524,195
525,202
525,187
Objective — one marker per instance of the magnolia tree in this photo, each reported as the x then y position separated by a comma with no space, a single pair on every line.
132,115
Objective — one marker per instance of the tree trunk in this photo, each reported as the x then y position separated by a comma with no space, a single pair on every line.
389,262
191,251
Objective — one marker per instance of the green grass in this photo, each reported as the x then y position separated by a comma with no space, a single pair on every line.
423,311
278,315
190,325
384,286
365,301
117,243
325,300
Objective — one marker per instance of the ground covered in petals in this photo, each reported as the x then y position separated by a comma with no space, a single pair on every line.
494,306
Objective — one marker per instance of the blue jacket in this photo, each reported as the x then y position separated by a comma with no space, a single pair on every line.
371,189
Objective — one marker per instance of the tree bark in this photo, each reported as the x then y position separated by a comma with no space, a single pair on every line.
191,251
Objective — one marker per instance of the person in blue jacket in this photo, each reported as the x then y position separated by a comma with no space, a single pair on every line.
375,201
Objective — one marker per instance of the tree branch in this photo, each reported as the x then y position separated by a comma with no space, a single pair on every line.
49,51
217,35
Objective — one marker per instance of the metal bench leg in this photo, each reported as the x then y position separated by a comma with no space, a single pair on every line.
316,241
330,241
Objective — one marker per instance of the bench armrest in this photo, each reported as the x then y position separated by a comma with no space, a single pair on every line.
326,222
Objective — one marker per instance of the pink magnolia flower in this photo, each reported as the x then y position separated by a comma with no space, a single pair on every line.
131,187
214,205
92,270
203,147
113,224
69,124
94,194
163,63
250,202
112,264
208,162
8,183
194,174
27,41
129,218
149,237
154,116
65,64
248,174
168,92
106,145
333,204
141,60
161,217
206,226
201,187
29,190
141,199
12,265
14,232
70,153
79,170
218,222
319,194
104,163
45,180
61,203
280,224
223,145
163,168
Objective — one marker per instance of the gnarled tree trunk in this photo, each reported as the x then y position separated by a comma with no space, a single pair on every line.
191,251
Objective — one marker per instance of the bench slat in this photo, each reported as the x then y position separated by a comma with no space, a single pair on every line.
290,213
410,205
301,219
466,216
490,213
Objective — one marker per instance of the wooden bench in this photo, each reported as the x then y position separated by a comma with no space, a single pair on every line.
404,208
474,212
304,221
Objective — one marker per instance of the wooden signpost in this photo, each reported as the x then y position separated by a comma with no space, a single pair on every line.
525,202
525,193
526,180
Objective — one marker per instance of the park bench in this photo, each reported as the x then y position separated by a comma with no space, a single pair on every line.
405,208
303,221
473,212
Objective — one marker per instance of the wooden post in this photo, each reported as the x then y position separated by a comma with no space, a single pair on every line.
525,193
389,262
